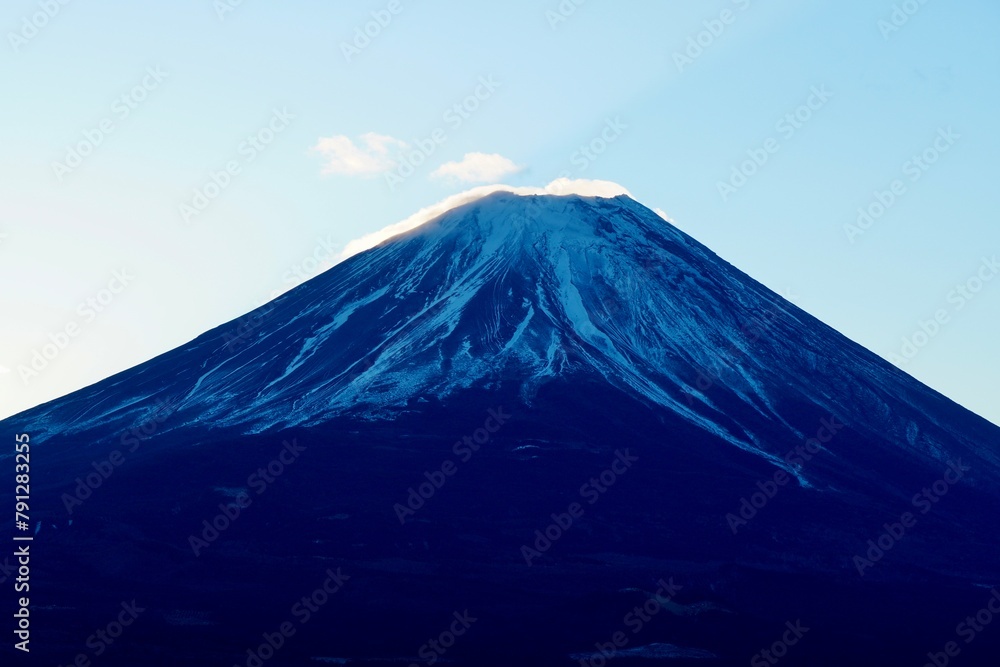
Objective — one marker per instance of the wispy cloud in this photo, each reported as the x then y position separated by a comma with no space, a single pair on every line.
370,156
477,168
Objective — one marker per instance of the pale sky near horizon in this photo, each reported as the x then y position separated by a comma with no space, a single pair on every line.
219,152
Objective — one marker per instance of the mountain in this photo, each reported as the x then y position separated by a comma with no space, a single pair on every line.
535,430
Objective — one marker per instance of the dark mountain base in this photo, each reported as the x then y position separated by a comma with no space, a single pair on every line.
332,508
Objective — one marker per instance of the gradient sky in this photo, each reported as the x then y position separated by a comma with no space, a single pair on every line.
336,120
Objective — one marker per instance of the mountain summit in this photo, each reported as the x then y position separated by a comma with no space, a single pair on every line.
509,354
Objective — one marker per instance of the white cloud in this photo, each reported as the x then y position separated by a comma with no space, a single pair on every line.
561,186
371,157
477,168
585,188
663,214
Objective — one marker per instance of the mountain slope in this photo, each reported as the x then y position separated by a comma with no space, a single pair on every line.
519,290
606,334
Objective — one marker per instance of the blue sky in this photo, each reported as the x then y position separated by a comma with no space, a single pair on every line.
761,128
